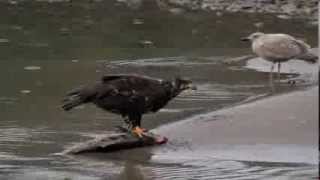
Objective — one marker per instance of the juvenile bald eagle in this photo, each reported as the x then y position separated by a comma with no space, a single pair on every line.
129,95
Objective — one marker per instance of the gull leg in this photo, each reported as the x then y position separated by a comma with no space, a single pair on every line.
279,66
271,78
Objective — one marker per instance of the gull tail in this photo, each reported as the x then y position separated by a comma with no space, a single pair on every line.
309,57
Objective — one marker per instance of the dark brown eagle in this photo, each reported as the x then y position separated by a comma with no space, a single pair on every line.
129,95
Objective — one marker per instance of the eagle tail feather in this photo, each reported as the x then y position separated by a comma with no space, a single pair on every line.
72,100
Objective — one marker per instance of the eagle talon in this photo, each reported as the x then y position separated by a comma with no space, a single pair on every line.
138,131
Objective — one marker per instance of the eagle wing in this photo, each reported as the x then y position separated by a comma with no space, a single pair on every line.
132,84
154,93
130,88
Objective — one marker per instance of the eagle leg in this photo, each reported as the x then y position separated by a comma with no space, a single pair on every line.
127,123
135,120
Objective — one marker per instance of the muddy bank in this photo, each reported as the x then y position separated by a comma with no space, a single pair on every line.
292,8
282,128
283,8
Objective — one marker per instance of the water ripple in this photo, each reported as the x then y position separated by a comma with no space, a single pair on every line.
212,92
225,169
162,61
16,136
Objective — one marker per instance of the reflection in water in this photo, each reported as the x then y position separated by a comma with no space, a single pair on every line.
46,48
131,171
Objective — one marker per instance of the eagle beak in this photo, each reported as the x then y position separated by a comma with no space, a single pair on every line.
192,87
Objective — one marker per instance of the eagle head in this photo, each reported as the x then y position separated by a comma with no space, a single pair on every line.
181,84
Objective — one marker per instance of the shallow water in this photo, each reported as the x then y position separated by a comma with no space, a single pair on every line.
49,48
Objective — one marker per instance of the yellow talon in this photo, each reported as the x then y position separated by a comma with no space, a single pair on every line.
138,131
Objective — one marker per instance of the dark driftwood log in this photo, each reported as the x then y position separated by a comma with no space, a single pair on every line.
115,142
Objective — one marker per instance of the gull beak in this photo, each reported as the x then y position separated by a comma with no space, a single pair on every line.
245,39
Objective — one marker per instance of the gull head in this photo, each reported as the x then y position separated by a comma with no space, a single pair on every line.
252,36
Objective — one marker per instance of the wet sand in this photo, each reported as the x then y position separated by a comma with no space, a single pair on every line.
281,128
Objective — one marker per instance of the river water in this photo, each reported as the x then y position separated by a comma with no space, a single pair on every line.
47,48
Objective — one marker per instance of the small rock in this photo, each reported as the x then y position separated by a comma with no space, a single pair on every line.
3,40
219,14
74,60
233,8
194,31
80,107
134,4
283,16
25,91
16,27
259,25
270,8
64,31
176,11
289,8
12,2
137,21
248,5
32,68
39,83
314,23
146,43
88,23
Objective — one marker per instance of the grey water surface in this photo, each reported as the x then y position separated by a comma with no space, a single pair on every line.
48,48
